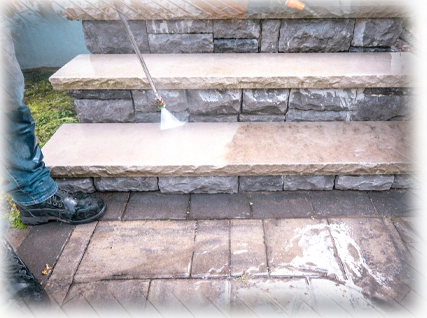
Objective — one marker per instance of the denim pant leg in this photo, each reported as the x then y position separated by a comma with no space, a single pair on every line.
23,173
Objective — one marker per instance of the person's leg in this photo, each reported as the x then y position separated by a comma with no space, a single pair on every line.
23,172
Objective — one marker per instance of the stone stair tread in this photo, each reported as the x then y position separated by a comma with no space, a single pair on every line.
237,70
229,149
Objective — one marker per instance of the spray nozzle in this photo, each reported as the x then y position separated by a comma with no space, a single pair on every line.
160,103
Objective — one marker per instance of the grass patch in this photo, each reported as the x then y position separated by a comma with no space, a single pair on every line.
50,109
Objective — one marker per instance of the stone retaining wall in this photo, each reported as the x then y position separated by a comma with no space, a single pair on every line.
237,184
370,104
244,36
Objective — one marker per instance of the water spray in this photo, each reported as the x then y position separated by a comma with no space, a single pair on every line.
167,120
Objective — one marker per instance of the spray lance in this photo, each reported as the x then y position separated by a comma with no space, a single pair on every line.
296,4
167,120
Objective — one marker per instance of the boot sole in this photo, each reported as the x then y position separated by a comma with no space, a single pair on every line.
36,220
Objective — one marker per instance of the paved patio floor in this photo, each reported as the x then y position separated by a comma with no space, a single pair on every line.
276,254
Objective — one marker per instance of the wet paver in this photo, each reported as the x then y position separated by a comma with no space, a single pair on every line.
116,205
219,206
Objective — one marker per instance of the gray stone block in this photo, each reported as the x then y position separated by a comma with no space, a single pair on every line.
311,115
74,185
293,183
315,35
235,46
260,183
214,101
386,107
364,182
198,184
109,37
104,111
181,43
144,100
261,118
101,94
240,29
376,32
322,99
265,101
179,26
403,181
214,119
270,36
126,184
155,117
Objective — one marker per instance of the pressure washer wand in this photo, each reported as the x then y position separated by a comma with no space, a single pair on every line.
160,102
296,4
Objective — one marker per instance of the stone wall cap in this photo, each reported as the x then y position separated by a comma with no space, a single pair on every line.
238,70
233,9
229,149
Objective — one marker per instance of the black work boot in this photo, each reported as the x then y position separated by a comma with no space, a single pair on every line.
65,207
18,281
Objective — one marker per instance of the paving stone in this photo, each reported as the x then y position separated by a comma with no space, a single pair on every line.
409,228
235,46
301,247
180,43
376,32
74,185
15,236
308,182
281,204
322,99
243,29
163,249
119,298
116,203
154,205
373,255
311,115
219,206
265,101
67,265
211,184
104,111
415,304
403,181
262,183
212,249
179,26
43,245
248,255
109,37
393,202
190,297
144,100
364,182
270,34
214,101
126,184
336,203
261,118
315,35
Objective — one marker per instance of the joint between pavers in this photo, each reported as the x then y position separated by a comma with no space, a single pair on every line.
125,208
266,250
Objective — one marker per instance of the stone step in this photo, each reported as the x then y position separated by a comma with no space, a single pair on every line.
229,71
229,149
234,9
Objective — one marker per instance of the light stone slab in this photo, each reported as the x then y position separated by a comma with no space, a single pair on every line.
138,249
229,149
239,70
233,9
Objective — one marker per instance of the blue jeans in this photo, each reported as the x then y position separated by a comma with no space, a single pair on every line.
23,173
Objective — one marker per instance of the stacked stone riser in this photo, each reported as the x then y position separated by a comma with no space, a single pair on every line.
245,105
244,36
237,184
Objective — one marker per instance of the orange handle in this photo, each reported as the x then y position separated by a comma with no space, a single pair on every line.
295,4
